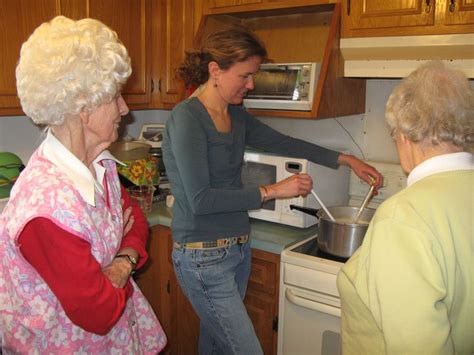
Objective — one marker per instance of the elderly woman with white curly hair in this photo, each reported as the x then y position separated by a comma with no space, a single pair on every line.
409,288
69,236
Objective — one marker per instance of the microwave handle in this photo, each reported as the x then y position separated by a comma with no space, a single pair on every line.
276,67
311,211
315,306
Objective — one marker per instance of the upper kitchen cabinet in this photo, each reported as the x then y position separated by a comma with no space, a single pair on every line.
231,6
307,33
377,18
131,19
173,33
19,19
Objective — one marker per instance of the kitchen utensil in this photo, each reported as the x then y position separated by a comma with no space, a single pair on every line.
342,237
322,205
143,194
129,150
364,203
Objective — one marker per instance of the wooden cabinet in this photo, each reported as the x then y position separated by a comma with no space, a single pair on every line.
301,34
159,285
231,6
18,20
131,19
173,34
261,299
373,18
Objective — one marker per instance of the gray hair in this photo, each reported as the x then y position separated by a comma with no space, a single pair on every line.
69,66
433,105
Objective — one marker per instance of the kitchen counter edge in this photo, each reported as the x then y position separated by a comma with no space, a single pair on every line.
266,236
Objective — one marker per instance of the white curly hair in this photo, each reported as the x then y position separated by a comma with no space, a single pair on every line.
69,66
433,105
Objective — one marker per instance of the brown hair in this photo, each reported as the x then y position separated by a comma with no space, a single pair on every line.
225,47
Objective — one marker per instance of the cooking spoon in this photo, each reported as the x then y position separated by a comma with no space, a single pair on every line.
322,205
364,203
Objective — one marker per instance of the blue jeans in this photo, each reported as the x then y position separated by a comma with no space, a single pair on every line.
215,281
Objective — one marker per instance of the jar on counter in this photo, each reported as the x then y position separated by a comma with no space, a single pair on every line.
157,155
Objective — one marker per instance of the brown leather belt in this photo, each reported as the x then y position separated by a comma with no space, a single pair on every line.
213,243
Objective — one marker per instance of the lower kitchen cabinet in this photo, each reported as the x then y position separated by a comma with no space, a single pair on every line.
159,285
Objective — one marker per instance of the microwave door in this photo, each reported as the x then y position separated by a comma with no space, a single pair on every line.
275,85
257,174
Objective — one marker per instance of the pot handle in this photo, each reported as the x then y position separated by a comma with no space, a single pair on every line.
311,211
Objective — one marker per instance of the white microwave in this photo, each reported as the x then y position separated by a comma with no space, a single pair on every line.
284,86
331,185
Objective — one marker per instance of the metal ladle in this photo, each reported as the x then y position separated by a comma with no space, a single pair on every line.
364,203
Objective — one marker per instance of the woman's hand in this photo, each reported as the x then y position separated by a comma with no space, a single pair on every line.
295,185
118,272
364,171
128,219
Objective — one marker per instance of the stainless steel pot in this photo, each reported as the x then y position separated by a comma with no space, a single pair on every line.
342,237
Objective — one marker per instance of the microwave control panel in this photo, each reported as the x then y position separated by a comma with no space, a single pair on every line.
304,81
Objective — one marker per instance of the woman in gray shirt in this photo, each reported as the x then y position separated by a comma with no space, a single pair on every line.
203,149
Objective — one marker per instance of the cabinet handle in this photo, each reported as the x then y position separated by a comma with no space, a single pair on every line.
428,6
348,7
452,5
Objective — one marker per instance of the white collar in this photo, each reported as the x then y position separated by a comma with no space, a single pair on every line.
440,164
54,151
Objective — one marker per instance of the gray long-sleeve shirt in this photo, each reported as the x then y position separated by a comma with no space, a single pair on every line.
204,169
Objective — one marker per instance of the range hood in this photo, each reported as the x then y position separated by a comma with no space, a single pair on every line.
396,57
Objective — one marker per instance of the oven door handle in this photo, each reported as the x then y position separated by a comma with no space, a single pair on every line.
316,306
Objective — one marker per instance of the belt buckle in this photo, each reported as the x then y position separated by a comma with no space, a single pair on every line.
242,239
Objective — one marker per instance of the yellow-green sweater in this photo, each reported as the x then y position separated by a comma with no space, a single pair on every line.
409,288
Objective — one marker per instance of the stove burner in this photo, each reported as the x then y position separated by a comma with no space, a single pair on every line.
324,255
311,248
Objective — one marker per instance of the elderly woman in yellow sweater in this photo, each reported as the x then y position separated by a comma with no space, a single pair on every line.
409,288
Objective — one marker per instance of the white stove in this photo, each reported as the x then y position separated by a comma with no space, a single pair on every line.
309,309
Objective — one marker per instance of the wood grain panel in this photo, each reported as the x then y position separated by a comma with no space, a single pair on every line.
173,30
383,14
459,12
129,18
17,15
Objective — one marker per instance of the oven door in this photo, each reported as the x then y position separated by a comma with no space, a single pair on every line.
309,323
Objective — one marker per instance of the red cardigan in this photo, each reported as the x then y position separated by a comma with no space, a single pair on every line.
66,264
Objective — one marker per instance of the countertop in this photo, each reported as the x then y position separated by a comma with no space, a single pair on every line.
266,236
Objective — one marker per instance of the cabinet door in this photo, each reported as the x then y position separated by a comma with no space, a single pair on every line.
261,299
459,12
131,19
18,20
173,34
227,3
372,14
155,277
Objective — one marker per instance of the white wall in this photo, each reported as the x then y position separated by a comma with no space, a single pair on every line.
20,136
366,136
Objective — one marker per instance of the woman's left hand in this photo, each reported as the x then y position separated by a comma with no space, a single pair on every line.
118,272
363,170
128,219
